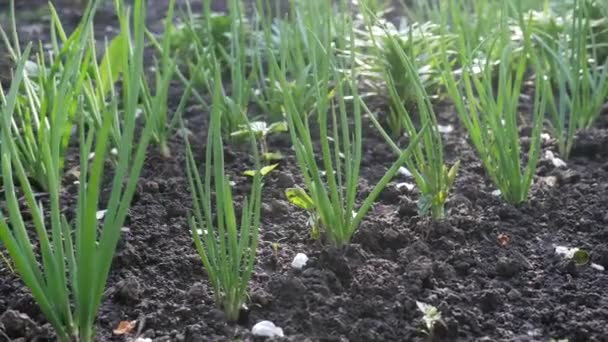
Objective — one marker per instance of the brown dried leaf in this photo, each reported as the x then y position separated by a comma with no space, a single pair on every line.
503,239
125,327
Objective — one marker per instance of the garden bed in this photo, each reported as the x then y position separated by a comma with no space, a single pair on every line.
489,267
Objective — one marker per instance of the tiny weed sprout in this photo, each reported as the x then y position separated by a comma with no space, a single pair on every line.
580,76
299,198
226,246
490,112
66,265
261,130
431,316
427,166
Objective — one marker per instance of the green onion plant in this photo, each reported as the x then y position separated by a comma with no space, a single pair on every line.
227,246
49,96
427,166
331,173
66,264
156,105
580,78
298,42
218,54
490,111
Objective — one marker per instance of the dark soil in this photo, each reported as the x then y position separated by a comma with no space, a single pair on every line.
486,291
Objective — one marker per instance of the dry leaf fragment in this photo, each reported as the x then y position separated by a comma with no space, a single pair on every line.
125,327
503,239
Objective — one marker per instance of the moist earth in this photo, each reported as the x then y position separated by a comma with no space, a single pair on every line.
489,267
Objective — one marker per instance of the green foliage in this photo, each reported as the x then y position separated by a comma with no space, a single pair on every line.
227,247
299,198
432,176
490,111
66,265
580,76
261,130
110,67
298,44
334,190
47,102
155,105
206,64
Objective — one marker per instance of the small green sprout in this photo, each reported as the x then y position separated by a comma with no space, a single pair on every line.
261,130
275,249
431,317
299,198
263,171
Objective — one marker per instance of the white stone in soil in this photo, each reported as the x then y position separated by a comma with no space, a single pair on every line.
101,214
266,329
408,186
557,162
545,137
404,171
445,128
299,261
567,252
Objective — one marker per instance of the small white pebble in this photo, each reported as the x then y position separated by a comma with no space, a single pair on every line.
597,267
31,69
404,171
408,186
445,128
101,214
299,261
550,180
496,193
266,329
559,163
545,137
141,339
567,252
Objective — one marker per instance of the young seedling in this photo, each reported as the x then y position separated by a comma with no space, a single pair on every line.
227,247
299,198
431,317
66,265
261,130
